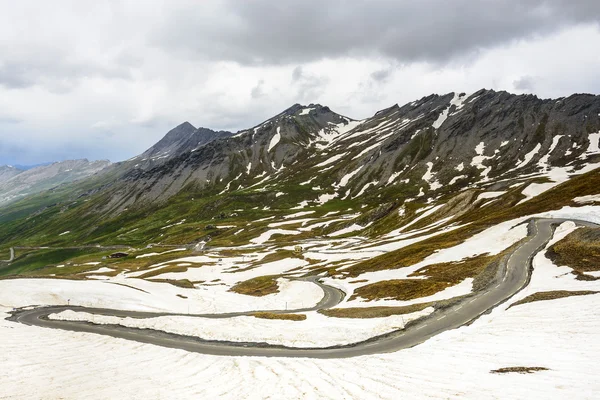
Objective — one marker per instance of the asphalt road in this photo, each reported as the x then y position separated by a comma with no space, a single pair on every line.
515,276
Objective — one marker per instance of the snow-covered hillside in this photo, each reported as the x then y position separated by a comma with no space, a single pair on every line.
559,335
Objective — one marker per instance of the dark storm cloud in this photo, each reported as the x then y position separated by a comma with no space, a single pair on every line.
267,32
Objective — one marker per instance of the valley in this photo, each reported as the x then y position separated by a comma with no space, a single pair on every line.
437,239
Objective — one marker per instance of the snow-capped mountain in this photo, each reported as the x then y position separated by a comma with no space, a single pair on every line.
432,146
441,148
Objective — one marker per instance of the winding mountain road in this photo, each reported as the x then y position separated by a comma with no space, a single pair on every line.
515,276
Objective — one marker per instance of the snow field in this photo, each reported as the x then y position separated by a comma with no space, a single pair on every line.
142,295
316,331
561,335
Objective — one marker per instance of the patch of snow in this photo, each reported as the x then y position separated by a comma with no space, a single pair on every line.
535,189
267,235
351,228
528,157
346,178
324,198
334,331
585,213
158,254
298,214
300,205
302,221
366,150
100,270
456,178
308,181
275,139
594,198
306,111
479,159
330,160
489,195
543,163
365,187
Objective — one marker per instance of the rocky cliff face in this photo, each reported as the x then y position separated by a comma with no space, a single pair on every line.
433,145
452,155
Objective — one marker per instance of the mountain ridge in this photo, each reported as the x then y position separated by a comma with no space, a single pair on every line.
440,149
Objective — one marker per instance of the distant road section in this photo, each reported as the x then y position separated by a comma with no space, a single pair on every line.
12,255
516,276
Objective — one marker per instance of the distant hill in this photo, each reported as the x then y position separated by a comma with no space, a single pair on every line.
16,183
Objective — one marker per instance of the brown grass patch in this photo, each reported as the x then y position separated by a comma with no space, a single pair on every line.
164,270
520,370
580,250
373,312
504,209
556,294
182,283
288,317
456,272
400,289
439,277
259,286
414,253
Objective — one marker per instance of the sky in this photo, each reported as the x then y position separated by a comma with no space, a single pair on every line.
106,80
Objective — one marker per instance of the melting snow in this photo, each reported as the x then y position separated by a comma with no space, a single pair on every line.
594,198
456,101
364,188
331,160
479,159
324,198
275,139
306,111
346,178
267,235
543,163
456,178
528,157
351,228
594,146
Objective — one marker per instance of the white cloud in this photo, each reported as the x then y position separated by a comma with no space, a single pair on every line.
90,79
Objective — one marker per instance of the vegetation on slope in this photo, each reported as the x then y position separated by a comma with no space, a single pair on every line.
287,317
259,286
555,294
580,250
373,312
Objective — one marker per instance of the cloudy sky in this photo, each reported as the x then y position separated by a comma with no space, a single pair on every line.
107,79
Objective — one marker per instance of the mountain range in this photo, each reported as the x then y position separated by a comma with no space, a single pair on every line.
16,183
438,150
